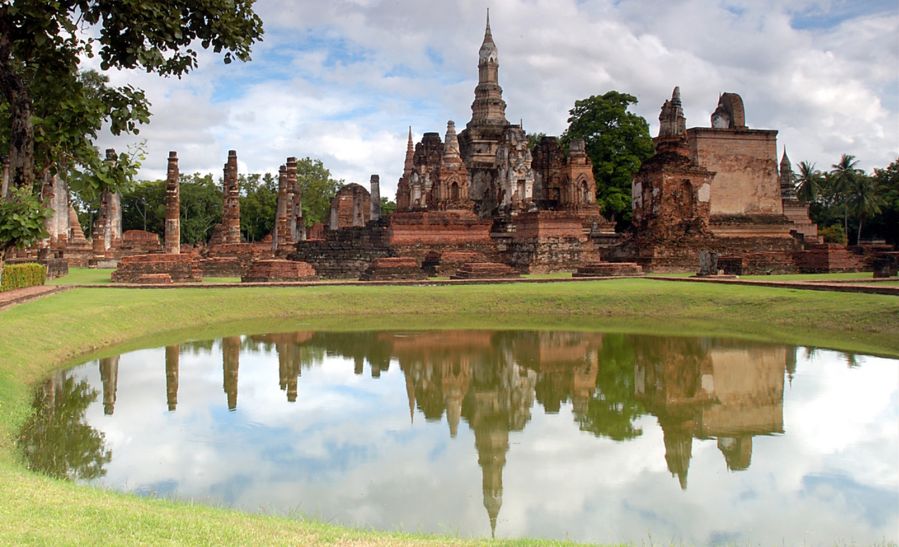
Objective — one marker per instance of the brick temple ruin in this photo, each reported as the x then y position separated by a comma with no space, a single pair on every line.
482,203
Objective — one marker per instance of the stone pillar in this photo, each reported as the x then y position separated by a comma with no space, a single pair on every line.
231,210
375,197
172,207
172,362
279,233
333,220
294,213
113,227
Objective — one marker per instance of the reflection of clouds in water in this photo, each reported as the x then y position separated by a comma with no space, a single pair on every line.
346,452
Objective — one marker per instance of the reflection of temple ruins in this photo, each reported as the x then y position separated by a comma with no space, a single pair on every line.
712,391
230,368
109,375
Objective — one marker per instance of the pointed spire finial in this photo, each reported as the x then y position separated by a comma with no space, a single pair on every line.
488,20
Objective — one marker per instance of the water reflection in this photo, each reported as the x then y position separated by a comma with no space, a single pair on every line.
55,439
612,387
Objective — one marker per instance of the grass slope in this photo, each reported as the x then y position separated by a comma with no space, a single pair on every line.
42,335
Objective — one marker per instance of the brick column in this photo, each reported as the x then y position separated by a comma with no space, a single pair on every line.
173,206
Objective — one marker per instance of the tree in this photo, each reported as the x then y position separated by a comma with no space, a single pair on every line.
808,182
388,207
258,205
864,200
201,207
617,142
843,179
42,44
886,224
56,440
143,207
22,218
317,190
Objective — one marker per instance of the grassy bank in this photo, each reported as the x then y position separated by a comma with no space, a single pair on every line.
61,329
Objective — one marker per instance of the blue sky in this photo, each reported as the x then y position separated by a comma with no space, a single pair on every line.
343,81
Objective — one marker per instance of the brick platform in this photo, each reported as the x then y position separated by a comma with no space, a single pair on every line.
224,266
393,268
179,268
827,258
153,279
609,269
485,270
447,263
262,271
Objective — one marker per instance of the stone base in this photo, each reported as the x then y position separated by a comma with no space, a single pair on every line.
886,265
153,279
827,258
179,268
547,241
262,271
243,253
345,253
447,263
392,269
485,270
224,266
103,263
609,269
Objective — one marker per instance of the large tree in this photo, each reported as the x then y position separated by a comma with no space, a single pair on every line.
42,43
617,142
317,189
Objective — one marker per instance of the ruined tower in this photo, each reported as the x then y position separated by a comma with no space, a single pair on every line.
231,210
172,206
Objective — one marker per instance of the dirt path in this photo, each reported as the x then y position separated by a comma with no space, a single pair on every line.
17,296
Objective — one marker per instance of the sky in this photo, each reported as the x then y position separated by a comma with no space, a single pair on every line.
343,81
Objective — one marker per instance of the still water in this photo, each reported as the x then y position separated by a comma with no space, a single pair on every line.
583,436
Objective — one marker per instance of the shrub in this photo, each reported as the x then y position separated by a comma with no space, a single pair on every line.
18,276
833,234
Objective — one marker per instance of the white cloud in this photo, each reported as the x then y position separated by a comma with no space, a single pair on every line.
343,80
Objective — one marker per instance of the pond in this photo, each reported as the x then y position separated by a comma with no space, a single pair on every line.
569,435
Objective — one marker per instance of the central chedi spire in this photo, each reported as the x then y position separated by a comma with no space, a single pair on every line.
488,105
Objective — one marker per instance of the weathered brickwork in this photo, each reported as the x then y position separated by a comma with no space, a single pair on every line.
278,270
180,268
393,268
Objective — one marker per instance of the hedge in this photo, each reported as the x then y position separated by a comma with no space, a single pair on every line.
18,276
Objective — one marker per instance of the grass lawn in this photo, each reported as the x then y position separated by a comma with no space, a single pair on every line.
99,276
65,328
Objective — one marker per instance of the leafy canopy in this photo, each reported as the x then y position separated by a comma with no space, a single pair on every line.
617,142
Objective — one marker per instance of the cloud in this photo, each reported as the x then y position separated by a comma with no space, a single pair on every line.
342,81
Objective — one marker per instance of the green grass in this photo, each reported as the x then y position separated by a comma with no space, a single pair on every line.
98,276
75,325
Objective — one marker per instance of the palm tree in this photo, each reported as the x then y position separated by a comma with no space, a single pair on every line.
843,177
864,199
808,182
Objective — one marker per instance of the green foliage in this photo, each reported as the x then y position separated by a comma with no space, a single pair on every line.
863,204
617,142
318,189
886,224
833,234
613,409
19,276
258,205
201,207
56,440
95,176
808,182
143,207
53,111
22,218
387,207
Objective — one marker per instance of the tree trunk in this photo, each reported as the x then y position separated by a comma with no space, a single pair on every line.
21,142
2,258
858,239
